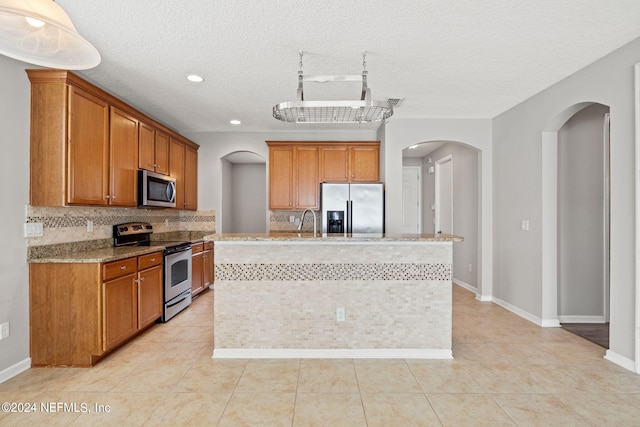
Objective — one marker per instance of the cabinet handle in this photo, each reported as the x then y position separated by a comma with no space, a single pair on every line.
113,197
141,279
107,197
153,259
124,267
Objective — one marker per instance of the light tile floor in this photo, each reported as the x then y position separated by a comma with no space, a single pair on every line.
506,371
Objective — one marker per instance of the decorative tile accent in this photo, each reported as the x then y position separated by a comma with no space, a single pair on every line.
305,272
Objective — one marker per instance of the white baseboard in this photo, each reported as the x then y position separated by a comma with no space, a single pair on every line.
471,288
15,369
286,353
581,319
620,360
545,323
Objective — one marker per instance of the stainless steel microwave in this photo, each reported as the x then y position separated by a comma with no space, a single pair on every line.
156,190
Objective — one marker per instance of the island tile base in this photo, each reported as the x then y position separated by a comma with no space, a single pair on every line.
280,299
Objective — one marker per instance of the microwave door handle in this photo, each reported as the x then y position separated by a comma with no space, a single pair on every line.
171,192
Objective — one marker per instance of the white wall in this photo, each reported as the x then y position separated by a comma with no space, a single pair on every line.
14,170
476,133
581,216
517,172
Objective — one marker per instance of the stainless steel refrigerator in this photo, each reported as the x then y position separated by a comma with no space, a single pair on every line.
352,208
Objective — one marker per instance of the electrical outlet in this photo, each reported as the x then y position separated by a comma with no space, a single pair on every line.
166,222
4,330
33,229
524,225
292,218
340,315
89,226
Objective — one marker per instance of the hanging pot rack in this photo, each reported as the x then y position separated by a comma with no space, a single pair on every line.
356,111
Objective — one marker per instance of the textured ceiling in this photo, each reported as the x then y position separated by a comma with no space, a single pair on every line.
445,58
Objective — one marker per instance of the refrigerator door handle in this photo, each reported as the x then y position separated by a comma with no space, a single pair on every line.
350,213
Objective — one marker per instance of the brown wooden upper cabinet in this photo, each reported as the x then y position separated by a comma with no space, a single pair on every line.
87,145
293,176
123,156
153,149
296,169
353,163
183,166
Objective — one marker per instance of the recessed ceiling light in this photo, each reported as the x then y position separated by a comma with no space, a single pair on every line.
235,122
195,78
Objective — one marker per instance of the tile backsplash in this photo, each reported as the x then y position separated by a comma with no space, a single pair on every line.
70,224
281,220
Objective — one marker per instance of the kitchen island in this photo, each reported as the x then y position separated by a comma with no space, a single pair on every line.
367,296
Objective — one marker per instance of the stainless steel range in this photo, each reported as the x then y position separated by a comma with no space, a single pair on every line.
177,264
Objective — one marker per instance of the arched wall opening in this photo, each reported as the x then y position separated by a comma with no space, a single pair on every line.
555,219
244,193
465,201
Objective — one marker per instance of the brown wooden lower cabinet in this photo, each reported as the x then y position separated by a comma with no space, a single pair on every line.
81,311
201,267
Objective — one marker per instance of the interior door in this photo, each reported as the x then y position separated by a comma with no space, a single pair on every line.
444,195
411,206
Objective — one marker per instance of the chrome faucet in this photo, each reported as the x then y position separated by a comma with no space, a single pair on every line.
314,221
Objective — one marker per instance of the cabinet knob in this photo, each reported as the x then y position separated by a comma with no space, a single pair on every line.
113,197
153,259
124,267
107,197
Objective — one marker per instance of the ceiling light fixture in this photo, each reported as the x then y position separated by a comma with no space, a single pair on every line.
40,32
362,111
235,122
195,78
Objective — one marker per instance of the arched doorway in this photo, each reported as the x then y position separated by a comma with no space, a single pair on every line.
464,183
575,220
244,197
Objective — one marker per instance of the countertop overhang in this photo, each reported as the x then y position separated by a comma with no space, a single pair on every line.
309,237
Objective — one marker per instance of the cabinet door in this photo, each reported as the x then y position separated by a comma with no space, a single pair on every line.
124,159
306,184
364,164
149,296
176,169
162,153
190,178
146,147
197,270
334,164
88,149
119,308
281,177
208,267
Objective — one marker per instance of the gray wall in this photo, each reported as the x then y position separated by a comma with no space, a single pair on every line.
581,216
14,193
248,198
465,208
519,169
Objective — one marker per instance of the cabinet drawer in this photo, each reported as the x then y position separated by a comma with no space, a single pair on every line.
197,248
150,260
119,268
208,246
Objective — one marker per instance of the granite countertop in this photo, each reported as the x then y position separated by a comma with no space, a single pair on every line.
309,237
98,255
102,250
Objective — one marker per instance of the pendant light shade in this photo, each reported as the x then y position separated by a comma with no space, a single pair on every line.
40,32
